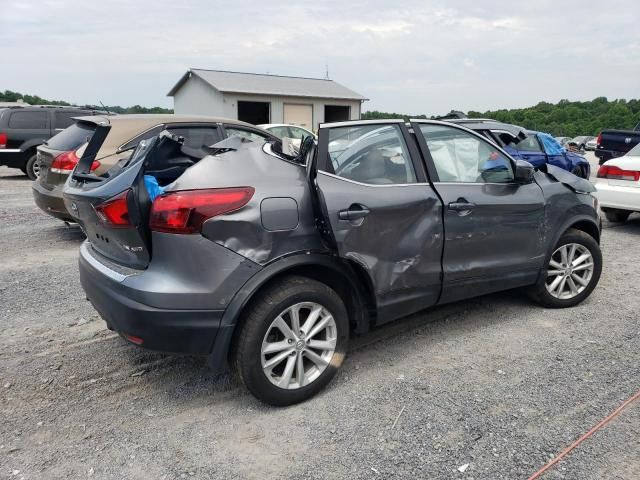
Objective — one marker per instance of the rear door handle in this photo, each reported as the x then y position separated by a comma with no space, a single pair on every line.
354,212
461,206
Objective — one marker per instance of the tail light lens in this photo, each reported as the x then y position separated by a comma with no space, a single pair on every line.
599,139
67,161
616,173
115,211
3,140
185,211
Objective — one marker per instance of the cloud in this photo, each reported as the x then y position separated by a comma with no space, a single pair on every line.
419,56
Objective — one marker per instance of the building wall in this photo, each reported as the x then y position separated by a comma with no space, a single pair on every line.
277,106
198,98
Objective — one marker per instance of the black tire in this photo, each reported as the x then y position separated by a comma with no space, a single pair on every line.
246,352
28,168
539,292
615,215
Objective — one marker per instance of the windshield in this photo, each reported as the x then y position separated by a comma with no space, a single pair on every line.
72,137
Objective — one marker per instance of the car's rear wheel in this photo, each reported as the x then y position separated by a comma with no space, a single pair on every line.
292,341
578,171
573,271
615,215
32,167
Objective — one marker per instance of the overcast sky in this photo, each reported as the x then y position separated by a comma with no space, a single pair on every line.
410,56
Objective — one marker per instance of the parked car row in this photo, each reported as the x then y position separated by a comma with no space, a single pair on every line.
24,128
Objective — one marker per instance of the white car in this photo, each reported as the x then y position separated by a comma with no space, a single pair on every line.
591,144
618,186
294,133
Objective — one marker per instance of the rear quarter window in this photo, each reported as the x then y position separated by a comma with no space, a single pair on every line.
72,137
28,120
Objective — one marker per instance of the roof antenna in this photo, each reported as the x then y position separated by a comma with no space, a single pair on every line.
326,71
105,108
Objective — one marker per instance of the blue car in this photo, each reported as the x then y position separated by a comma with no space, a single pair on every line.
537,148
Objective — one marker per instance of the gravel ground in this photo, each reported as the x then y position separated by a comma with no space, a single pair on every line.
496,383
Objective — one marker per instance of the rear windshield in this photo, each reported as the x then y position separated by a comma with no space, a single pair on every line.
72,137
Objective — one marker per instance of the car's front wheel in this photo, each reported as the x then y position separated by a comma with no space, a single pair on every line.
615,215
292,341
572,271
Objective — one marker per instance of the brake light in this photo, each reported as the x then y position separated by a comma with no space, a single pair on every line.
616,173
115,211
3,140
599,139
67,161
185,211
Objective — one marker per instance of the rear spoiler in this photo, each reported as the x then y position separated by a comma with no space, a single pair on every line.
83,169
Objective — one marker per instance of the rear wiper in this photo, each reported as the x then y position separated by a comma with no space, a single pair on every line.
87,177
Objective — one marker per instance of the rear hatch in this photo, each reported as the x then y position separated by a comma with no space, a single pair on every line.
60,152
113,208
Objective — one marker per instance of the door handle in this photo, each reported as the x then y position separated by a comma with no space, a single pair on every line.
354,212
461,205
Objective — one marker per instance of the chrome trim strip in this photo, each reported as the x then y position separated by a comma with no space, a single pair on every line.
373,184
102,268
10,150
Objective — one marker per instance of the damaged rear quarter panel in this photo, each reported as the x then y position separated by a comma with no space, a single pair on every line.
243,231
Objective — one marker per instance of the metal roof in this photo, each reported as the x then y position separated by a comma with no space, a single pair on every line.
262,84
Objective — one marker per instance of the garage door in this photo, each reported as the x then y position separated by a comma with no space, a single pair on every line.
301,115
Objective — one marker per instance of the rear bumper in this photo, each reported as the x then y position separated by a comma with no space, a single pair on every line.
614,196
604,155
162,329
13,158
50,201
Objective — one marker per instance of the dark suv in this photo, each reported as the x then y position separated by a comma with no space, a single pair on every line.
22,129
272,261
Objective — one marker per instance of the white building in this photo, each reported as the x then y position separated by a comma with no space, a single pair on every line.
257,98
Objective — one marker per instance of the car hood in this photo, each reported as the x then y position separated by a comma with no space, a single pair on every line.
575,183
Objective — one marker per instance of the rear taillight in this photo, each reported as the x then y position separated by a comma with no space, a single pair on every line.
67,161
115,211
616,173
185,211
599,139
3,140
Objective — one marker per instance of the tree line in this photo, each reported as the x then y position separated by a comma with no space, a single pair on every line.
9,96
564,118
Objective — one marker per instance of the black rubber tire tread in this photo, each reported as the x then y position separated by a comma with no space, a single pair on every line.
245,356
29,167
615,215
539,291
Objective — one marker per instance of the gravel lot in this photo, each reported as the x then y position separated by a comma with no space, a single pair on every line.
496,383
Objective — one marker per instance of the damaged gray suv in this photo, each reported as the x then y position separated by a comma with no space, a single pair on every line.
270,262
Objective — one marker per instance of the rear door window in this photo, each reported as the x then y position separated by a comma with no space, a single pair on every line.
246,134
529,144
372,154
196,138
73,137
29,120
152,132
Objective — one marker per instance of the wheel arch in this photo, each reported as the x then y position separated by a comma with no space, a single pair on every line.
350,281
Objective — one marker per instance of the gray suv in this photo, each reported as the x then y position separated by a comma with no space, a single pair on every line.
271,262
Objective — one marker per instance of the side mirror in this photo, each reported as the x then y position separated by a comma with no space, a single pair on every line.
523,172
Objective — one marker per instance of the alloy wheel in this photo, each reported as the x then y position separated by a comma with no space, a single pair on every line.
299,345
36,168
570,271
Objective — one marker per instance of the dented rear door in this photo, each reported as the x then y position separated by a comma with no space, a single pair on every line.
380,212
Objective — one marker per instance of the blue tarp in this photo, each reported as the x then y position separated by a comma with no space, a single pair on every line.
153,189
551,145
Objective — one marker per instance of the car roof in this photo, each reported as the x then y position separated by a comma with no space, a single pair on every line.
270,125
127,127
